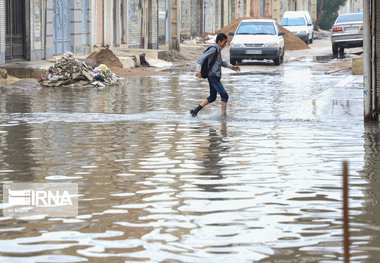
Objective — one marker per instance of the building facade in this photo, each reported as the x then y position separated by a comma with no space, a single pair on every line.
208,16
40,29
352,6
281,6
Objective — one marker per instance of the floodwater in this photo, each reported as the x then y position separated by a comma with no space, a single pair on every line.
155,185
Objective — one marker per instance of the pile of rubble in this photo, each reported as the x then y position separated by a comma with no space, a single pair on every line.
69,71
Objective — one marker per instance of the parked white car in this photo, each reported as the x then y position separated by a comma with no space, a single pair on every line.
257,39
300,24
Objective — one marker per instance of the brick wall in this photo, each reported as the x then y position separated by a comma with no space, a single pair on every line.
152,25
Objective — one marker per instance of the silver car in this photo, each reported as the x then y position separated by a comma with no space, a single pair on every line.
347,32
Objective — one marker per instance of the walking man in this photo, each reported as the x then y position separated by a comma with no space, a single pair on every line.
214,74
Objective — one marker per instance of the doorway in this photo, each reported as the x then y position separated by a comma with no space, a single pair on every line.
15,30
61,27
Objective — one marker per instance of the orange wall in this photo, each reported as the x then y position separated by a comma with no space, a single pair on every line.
255,8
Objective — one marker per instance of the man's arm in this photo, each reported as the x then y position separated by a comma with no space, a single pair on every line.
230,66
227,65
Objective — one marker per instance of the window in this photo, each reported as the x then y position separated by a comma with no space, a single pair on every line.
256,28
350,18
293,21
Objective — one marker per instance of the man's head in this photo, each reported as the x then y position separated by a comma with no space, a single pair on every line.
221,40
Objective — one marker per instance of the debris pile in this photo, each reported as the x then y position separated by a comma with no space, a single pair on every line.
69,71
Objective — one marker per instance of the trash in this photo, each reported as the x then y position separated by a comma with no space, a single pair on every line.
69,71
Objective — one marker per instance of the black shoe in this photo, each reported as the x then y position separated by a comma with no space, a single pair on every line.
193,113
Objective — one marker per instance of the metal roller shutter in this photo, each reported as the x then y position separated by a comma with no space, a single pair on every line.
376,23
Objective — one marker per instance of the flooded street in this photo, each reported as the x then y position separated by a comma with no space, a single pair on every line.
156,185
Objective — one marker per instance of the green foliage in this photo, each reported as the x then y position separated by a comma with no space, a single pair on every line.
329,12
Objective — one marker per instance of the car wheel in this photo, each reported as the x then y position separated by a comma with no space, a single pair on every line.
312,39
335,49
282,56
277,60
341,50
307,40
233,61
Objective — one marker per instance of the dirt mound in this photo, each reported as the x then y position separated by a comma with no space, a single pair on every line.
106,57
292,42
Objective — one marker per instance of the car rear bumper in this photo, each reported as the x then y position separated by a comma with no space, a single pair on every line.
243,53
352,40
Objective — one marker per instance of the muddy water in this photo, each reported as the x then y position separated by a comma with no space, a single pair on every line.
155,185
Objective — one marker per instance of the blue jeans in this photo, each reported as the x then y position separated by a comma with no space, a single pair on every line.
216,87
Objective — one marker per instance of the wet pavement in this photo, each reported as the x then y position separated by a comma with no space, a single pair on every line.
155,185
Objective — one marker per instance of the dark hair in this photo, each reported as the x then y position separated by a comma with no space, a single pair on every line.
220,37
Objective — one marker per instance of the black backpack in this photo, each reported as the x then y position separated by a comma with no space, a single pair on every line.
205,67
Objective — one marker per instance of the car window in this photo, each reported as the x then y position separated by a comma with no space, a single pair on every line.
256,28
350,18
308,20
293,21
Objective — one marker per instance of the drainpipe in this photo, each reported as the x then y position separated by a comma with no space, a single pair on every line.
45,29
367,92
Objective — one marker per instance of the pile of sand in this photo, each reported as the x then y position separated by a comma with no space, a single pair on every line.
106,57
292,42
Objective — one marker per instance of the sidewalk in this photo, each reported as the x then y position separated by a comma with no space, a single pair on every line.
27,69
38,68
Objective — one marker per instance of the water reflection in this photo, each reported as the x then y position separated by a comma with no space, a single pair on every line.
16,153
366,223
216,149
157,185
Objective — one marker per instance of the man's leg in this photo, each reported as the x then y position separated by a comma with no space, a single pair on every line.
224,107
195,111
224,95
206,101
